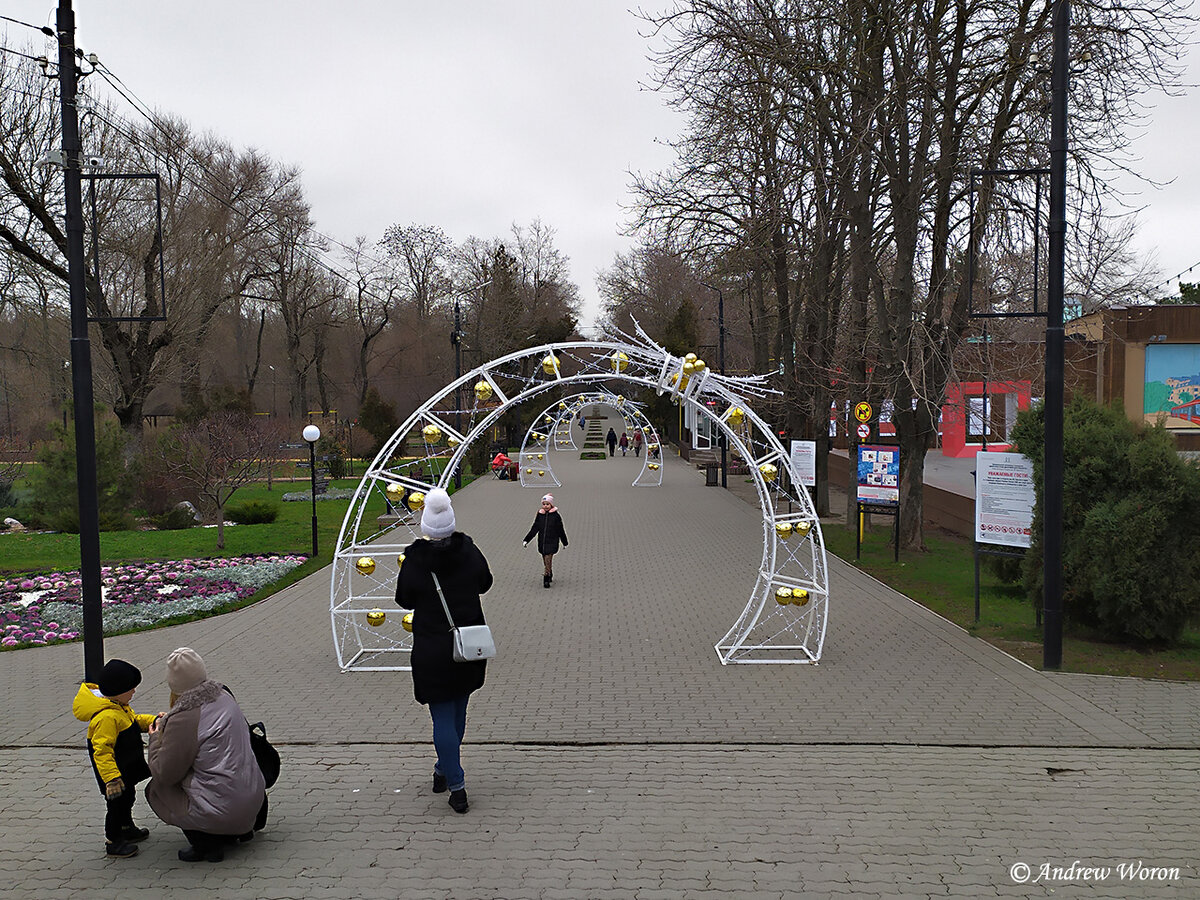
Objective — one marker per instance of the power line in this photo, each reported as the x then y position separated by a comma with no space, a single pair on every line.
44,29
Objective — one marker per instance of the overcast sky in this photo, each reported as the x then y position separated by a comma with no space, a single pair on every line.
469,115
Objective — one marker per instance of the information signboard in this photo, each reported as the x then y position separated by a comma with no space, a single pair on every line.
1004,498
878,474
804,462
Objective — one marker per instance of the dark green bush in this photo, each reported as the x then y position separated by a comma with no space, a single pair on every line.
1131,537
54,495
378,417
174,519
252,512
1005,568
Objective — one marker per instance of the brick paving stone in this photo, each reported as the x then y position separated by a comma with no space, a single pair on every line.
610,754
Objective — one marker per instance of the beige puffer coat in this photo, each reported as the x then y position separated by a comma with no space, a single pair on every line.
204,775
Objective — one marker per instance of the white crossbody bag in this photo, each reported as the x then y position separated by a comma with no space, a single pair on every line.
471,642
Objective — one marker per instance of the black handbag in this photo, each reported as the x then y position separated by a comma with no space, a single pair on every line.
264,752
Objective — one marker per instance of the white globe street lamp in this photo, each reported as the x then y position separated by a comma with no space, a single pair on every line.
312,434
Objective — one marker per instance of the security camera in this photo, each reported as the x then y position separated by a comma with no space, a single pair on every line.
95,162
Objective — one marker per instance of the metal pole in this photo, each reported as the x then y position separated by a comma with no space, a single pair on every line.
456,340
81,354
1052,490
721,366
312,474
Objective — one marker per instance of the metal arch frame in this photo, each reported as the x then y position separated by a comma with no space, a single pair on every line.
770,629
538,459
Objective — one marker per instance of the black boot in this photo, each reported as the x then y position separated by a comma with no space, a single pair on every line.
458,800
545,581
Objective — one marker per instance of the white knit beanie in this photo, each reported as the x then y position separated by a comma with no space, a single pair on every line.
437,521
185,670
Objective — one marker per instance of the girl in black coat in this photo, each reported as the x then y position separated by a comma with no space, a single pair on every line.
439,681
548,526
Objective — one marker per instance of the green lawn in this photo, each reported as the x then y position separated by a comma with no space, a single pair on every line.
943,579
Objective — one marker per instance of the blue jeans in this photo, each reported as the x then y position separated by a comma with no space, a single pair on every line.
449,726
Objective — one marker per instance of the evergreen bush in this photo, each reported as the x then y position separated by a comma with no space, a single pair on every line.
55,496
1131,537
252,512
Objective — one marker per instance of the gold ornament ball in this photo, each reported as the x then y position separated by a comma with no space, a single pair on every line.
548,419
691,357
652,446
562,405
453,441
483,390
783,529
803,528
783,596
538,437
653,466
541,472
540,455
550,364
799,597
401,560
619,361
432,433
699,366
768,471
416,500
674,378
376,617
406,622
365,565
735,415
395,492
689,368
529,471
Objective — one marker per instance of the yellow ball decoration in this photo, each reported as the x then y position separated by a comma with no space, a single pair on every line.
799,597
619,361
401,559
376,617
783,529
691,357
483,390
550,364
783,596
548,419
541,471
529,471
653,466
768,471
699,366
562,405
365,565
394,492
803,528
652,446
735,415
540,455
689,368
416,500
432,433
406,622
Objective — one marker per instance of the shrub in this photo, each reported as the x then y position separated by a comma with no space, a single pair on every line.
55,498
252,512
378,417
174,519
1131,539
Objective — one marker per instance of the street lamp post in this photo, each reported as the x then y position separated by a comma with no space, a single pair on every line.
456,337
311,434
721,366
273,413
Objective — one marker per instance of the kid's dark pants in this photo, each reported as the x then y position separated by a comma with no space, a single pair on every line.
119,815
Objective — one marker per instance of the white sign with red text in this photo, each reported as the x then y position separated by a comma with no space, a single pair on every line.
1004,498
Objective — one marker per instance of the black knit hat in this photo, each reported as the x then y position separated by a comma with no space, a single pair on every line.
117,677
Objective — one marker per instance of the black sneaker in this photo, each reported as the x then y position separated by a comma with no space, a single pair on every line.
545,581
193,854
439,783
458,801
120,849
133,834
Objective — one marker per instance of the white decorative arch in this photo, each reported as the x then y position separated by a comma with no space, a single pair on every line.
785,618
535,460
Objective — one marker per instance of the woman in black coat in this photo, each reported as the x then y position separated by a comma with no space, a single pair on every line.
438,681
611,440
548,526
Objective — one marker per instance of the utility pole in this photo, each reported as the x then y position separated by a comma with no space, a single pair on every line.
1052,522
81,353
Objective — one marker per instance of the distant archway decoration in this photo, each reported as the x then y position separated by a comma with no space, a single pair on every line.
784,620
552,428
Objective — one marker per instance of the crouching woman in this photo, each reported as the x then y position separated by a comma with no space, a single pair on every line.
204,776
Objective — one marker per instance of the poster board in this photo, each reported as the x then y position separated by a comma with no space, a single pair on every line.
879,474
804,462
1004,497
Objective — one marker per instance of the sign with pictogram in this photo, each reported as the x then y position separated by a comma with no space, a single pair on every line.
864,431
862,411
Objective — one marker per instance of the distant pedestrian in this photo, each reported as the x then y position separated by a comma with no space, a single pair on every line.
611,440
548,526
114,742
624,442
637,442
445,686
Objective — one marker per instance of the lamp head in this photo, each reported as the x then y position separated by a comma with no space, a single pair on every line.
311,433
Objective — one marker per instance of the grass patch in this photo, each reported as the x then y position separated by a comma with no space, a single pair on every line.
593,454
943,580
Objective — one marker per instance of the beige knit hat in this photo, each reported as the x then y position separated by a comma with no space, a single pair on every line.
185,670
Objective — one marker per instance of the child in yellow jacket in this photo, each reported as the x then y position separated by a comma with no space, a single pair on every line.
114,740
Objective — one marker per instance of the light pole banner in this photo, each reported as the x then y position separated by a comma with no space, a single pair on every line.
1004,498
804,461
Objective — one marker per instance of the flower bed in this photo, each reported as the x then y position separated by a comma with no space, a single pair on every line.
48,609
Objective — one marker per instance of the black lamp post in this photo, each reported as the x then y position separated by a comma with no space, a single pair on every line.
721,365
456,337
312,434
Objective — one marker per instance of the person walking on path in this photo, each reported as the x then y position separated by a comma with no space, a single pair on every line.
114,742
548,526
206,779
445,686
637,442
624,442
611,439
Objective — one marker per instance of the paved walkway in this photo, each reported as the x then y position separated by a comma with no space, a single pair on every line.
611,755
